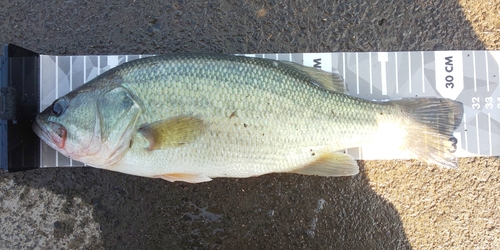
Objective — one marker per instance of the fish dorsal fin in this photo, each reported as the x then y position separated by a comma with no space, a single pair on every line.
172,132
326,80
330,164
191,178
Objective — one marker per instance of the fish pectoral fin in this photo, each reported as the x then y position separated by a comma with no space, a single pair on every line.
330,164
191,178
172,132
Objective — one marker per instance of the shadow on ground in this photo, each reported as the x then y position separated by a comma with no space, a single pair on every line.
273,211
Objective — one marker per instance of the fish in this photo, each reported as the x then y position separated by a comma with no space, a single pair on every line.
195,117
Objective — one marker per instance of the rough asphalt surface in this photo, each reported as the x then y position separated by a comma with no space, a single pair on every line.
389,205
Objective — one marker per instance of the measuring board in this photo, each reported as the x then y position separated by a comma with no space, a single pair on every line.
471,77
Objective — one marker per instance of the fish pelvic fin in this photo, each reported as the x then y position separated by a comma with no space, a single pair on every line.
191,178
430,127
330,164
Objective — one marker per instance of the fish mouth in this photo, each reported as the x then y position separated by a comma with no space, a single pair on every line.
41,131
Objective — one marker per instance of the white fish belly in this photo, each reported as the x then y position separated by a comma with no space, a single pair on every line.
240,148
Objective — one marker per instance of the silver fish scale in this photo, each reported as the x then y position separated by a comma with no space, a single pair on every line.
262,115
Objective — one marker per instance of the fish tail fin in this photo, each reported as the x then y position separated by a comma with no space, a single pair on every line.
430,125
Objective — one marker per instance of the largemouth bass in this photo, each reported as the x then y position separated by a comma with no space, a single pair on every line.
194,117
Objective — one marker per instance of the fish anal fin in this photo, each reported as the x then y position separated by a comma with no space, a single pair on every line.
172,132
330,164
191,178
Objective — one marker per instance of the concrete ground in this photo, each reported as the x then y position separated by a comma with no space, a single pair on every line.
390,205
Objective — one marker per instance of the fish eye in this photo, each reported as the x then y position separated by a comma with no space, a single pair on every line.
58,107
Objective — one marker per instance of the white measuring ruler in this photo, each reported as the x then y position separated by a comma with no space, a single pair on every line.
471,77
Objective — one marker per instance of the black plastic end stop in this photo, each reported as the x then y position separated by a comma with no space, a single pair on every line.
19,105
